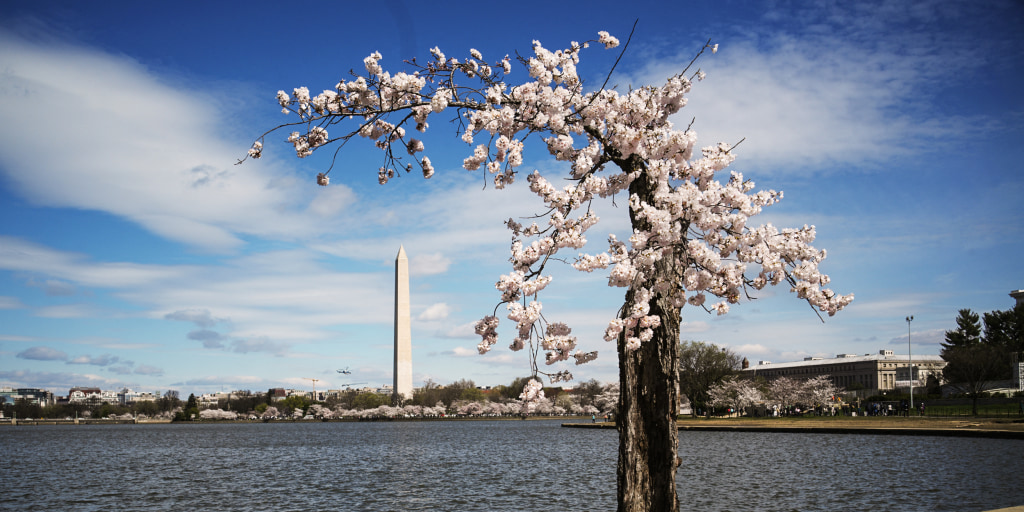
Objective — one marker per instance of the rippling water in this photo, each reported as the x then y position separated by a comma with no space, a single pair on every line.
484,466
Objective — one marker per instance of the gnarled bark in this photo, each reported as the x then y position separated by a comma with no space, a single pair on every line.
649,394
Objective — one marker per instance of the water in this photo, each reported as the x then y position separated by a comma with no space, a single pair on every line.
484,466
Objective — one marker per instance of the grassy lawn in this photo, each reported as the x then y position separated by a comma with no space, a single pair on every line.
1014,423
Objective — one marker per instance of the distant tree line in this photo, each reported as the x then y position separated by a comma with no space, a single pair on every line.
982,350
461,397
710,378
166,406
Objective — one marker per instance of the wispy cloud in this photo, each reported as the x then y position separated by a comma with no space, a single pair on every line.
258,345
145,369
200,317
10,303
103,360
435,312
428,264
55,287
174,177
57,381
42,354
848,84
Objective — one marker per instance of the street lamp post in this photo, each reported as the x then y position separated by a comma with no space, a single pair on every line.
910,365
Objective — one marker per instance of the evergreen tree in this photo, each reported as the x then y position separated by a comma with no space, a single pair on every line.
967,332
1005,329
976,360
191,409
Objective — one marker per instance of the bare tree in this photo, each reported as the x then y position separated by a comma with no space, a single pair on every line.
973,369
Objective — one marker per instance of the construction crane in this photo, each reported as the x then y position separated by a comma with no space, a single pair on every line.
314,386
352,384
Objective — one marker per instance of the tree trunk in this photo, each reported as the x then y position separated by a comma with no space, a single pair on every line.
649,397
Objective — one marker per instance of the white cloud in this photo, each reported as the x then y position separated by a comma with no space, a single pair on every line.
20,255
428,264
135,147
55,287
332,200
67,311
466,330
57,380
694,327
200,317
258,345
752,349
104,360
42,354
465,352
148,370
845,85
435,312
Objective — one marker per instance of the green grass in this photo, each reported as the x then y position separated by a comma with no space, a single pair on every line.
987,410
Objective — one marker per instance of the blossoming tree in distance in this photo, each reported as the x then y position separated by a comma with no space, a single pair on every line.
690,240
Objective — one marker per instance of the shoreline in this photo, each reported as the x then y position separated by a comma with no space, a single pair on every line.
974,427
991,428
7,422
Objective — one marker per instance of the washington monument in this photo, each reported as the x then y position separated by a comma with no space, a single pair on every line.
403,330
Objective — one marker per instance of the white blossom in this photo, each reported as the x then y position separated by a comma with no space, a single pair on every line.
694,212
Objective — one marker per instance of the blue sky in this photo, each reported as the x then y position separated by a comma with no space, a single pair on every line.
133,252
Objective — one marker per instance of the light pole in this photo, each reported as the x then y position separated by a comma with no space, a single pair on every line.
910,364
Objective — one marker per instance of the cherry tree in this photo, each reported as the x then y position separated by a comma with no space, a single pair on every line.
736,393
691,244
820,390
785,392
320,412
217,414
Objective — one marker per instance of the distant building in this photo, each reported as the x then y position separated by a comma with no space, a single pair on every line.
872,373
129,397
36,396
77,394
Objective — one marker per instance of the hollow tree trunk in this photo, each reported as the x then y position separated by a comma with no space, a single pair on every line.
649,397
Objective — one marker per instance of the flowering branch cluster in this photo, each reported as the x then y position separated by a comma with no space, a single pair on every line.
610,140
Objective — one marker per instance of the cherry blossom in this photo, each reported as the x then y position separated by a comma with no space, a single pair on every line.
691,239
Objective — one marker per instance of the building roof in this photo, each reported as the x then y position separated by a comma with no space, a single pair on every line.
848,359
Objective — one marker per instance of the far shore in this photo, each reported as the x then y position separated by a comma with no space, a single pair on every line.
149,421
1002,428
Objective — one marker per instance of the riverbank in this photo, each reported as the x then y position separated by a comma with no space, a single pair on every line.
151,421
916,426
79,421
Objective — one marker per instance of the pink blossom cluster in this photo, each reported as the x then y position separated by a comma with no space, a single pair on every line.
557,342
217,414
610,140
533,392
525,317
487,329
